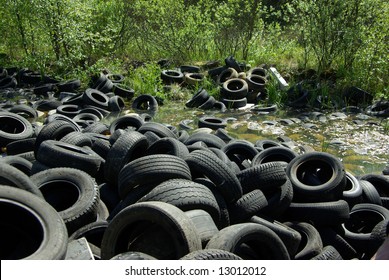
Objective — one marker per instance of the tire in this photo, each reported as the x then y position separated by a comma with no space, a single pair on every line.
209,104
204,224
240,151
380,183
331,237
73,193
311,244
247,206
159,129
358,228
59,117
153,169
256,82
193,78
96,98
126,122
353,190
128,147
54,130
274,154
143,223
69,86
263,241
13,127
231,62
25,111
316,177
145,102
116,104
11,176
20,146
126,93
211,254
31,228
93,232
20,163
370,193
77,139
264,176
332,213
59,154
186,195
225,75
209,139
169,146
266,143
69,110
212,122
199,98
289,236
234,104
234,89
172,77
208,164
328,253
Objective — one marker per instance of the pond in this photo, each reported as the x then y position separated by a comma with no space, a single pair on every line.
360,141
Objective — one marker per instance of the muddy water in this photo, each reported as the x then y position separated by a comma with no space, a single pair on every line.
360,141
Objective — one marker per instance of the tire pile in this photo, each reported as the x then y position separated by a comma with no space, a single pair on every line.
139,189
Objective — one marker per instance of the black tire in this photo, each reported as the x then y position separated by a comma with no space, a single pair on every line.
169,146
20,163
331,237
193,78
143,223
73,193
13,127
20,146
126,122
234,104
97,128
199,98
69,86
358,228
59,117
266,143
59,154
54,130
120,90
264,176
289,236
116,104
159,129
172,77
211,254
152,169
247,206
311,244
380,183
231,62
234,89
208,164
31,228
353,190
328,253
240,151
369,193
128,147
316,177
69,110
96,98
256,82
77,138
263,241
204,224
279,200
212,122
225,75
274,154
93,232
25,111
210,140
332,213
145,102
208,104
186,195
11,176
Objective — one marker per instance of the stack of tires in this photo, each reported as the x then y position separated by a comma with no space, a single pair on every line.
139,189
